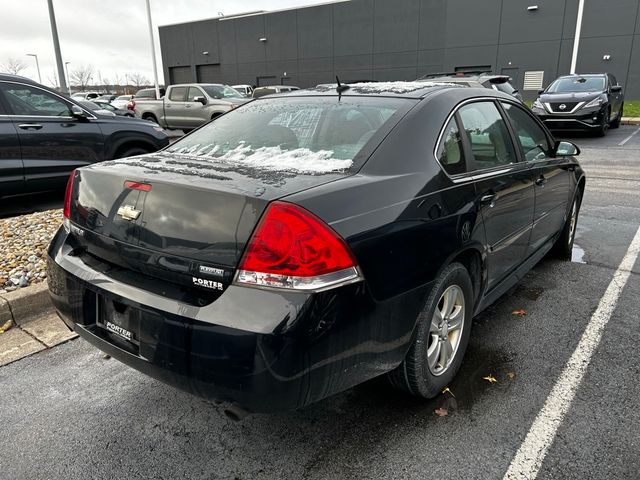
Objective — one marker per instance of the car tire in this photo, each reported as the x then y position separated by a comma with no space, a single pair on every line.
131,152
604,126
421,373
563,248
618,120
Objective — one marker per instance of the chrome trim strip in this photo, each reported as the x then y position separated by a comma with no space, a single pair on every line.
578,106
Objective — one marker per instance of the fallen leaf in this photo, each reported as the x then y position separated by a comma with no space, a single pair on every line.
441,412
490,378
511,375
6,326
446,390
520,313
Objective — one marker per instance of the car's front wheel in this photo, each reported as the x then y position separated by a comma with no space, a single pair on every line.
442,336
604,126
616,122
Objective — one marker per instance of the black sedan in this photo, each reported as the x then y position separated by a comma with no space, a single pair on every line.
45,135
305,243
581,102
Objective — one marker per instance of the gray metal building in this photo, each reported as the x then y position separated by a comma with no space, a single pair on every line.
384,40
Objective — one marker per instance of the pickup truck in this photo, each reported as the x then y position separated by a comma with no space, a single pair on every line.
187,106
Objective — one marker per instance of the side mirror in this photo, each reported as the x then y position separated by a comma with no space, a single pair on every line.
566,149
202,100
541,91
616,88
77,112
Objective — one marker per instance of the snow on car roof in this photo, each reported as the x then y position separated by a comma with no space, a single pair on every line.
414,88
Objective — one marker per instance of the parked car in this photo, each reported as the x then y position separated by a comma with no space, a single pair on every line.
121,101
45,135
188,106
270,90
581,102
109,107
85,95
246,90
282,253
95,108
478,79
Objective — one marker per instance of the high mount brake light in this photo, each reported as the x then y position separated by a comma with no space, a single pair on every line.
145,187
292,248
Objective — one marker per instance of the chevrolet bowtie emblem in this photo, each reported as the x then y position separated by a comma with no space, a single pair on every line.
128,212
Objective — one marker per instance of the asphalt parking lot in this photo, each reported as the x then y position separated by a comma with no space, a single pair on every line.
70,413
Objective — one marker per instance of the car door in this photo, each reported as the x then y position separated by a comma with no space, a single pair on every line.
197,113
11,171
175,112
503,185
551,175
53,142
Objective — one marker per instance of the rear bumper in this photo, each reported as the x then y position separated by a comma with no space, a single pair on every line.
263,350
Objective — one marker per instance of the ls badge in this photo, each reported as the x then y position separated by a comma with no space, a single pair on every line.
129,213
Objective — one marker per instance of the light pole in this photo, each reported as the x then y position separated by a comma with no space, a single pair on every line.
576,40
56,46
37,65
66,67
153,51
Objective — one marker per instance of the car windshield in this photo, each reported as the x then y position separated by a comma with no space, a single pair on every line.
577,84
221,91
312,135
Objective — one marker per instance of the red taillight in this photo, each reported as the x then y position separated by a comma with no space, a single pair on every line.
66,209
145,187
292,248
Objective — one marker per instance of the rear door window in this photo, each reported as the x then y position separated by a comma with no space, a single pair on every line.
488,136
178,94
32,101
531,137
450,152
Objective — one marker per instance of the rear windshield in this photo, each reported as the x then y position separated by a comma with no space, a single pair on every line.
304,134
577,84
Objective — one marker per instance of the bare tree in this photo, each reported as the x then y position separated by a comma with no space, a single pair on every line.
13,66
53,79
82,76
138,80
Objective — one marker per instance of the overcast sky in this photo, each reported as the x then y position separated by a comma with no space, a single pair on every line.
111,35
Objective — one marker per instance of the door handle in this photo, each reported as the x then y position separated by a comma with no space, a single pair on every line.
30,126
541,181
488,199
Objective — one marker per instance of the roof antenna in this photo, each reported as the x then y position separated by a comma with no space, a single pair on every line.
341,88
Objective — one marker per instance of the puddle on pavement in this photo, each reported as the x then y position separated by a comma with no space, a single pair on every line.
577,254
465,390
530,293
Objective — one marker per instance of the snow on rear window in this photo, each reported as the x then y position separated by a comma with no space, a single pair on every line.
304,135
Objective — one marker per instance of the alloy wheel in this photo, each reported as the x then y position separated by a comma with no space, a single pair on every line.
445,330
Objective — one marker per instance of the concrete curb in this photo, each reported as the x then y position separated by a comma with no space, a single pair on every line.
25,304
631,120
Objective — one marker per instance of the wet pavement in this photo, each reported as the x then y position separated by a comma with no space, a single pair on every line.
71,413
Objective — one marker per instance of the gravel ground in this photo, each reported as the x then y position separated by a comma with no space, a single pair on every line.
23,246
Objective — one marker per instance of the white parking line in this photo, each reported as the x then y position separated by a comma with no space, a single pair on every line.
628,138
528,460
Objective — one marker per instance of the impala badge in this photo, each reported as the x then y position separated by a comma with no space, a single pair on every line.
129,213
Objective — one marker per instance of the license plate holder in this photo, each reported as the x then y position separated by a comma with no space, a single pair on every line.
120,320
